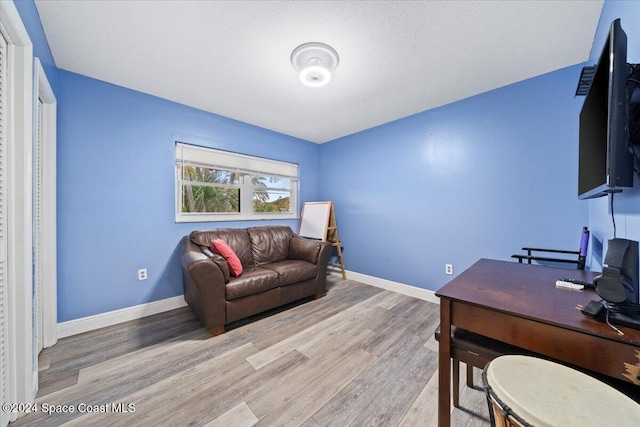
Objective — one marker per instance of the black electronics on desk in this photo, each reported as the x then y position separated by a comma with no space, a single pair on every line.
618,285
618,282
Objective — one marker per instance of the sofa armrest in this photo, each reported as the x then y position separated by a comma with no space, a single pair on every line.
305,249
204,285
220,262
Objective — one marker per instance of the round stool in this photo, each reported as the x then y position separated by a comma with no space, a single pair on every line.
526,391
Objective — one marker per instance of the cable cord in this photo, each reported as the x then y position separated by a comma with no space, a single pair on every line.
623,308
613,218
610,325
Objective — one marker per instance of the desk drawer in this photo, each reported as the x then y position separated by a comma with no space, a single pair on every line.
608,357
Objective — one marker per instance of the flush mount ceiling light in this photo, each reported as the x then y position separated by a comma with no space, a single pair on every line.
315,62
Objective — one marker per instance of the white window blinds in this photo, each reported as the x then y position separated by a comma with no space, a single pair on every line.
208,157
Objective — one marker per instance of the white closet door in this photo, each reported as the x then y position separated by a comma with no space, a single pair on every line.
4,416
37,229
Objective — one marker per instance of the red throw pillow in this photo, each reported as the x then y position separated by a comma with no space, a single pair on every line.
221,247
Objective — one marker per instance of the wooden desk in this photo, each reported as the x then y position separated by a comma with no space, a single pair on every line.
519,304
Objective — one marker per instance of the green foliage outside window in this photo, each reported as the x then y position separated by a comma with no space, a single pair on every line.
220,191
209,198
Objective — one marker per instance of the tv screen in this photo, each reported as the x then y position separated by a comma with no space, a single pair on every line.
605,162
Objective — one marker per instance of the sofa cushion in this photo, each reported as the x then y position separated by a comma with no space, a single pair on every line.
221,247
293,271
236,238
304,249
269,244
253,280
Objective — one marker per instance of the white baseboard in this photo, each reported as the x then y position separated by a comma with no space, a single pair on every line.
401,288
90,323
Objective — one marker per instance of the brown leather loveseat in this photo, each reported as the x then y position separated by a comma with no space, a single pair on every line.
278,267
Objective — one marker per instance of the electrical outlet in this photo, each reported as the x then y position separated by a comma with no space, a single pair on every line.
448,268
142,274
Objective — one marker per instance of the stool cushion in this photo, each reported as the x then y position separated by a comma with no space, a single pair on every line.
479,344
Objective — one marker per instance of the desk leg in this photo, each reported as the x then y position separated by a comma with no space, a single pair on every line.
444,364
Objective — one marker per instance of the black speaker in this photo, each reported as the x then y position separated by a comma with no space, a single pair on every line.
619,279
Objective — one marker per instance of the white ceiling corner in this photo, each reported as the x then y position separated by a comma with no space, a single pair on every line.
397,58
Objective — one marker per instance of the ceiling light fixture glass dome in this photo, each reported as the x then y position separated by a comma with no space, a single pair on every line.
315,76
315,62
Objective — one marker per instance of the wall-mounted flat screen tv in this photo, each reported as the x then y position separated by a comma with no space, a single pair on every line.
605,162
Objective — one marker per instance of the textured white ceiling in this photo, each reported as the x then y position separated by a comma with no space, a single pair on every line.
397,58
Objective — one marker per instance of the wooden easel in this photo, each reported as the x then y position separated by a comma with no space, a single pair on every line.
332,236
318,221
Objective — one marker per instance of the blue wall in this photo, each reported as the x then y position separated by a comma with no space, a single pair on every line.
627,204
478,178
116,186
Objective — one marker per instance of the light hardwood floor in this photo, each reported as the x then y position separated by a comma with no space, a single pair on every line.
358,356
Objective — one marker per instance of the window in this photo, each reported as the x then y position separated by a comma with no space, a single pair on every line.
214,185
